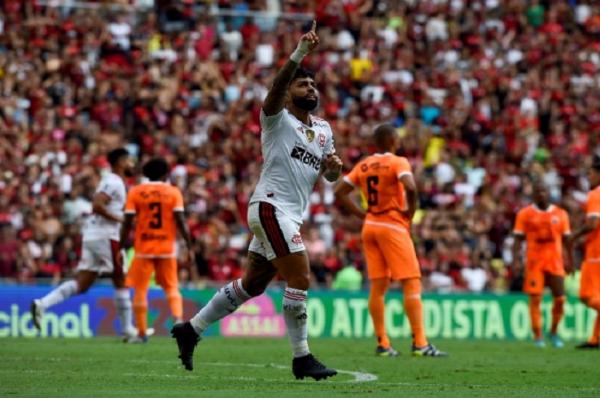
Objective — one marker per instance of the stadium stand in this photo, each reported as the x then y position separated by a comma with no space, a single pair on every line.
488,95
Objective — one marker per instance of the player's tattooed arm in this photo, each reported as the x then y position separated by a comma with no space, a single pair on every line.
183,229
516,265
590,224
568,258
126,229
342,195
99,203
275,100
412,196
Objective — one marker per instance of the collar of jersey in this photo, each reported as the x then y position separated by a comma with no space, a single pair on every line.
301,122
549,209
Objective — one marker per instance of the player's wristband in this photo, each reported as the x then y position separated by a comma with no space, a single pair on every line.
300,52
297,56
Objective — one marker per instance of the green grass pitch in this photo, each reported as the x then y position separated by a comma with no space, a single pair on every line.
105,367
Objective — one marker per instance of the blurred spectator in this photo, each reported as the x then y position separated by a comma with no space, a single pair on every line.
486,95
348,278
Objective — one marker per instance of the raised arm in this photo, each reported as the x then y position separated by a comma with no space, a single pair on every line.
275,100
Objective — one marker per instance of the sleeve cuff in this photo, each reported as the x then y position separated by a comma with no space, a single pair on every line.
404,173
346,179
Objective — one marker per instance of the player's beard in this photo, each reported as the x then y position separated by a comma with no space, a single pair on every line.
129,172
305,103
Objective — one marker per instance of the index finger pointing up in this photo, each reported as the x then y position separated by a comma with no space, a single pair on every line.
314,26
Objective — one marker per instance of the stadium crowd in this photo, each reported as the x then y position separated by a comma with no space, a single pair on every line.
488,95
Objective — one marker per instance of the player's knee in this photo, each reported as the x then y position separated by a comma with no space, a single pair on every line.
300,282
82,288
254,290
84,285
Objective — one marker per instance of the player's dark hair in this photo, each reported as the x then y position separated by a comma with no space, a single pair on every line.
596,163
382,134
156,169
115,155
302,73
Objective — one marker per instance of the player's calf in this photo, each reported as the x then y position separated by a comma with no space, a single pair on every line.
37,313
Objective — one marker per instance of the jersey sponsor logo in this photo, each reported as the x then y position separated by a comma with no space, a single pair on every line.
554,220
297,239
305,156
153,194
151,236
376,166
322,140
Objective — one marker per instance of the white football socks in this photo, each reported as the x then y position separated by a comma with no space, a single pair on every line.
60,294
123,305
225,301
294,313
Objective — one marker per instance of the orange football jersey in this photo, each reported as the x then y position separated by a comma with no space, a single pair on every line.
378,177
154,204
543,231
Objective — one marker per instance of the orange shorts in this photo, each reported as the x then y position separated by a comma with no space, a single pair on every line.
142,268
535,279
389,252
590,280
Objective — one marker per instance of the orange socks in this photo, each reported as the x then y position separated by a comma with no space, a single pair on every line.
414,310
558,304
535,313
140,310
175,303
377,309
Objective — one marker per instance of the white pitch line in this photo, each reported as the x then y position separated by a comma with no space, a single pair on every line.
359,377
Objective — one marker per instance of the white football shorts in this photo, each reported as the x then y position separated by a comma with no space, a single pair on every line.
275,234
99,256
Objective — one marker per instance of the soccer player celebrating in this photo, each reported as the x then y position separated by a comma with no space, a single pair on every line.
387,182
589,290
297,149
99,253
545,227
158,207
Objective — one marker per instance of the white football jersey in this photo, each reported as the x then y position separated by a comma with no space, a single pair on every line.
292,153
95,226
